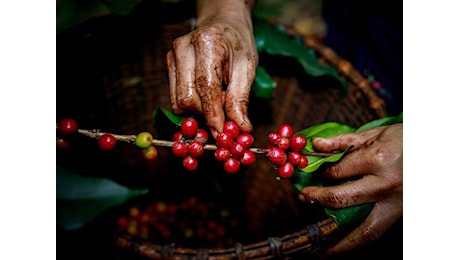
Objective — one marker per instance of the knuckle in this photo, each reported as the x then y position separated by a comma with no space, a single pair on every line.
383,157
384,160
335,171
210,37
370,234
335,200
179,42
186,103
176,110
203,35
394,180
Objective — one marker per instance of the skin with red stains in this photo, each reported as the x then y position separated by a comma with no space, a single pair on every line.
377,157
219,52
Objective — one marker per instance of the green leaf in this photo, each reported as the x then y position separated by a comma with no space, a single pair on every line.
259,35
389,120
263,84
71,186
274,40
313,166
177,120
349,217
301,179
80,198
280,43
327,129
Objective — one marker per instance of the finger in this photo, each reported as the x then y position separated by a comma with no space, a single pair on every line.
381,218
364,190
172,81
341,142
353,164
187,97
208,73
242,75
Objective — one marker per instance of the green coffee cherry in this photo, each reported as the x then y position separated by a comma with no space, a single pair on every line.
144,140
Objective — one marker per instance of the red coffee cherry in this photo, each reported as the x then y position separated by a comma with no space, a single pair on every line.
237,149
190,163
195,149
284,143
248,158
273,138
277,156
62,143
232,165
286,170
295,158
303,162
189,127
67,126
231,128
122,222
201,136
285,130
150,152
224,140
178,136
179,148
298,142
222,154
107,142
246,140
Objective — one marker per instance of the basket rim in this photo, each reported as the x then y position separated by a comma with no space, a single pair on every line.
307,239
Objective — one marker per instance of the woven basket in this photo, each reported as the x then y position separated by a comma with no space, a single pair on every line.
112,75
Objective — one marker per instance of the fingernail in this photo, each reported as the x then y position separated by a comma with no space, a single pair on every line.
214,132
302,197
247,124
318,139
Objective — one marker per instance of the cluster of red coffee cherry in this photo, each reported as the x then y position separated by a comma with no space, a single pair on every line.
189,143
284,150
233,148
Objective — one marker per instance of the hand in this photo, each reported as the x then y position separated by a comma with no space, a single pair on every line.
220,50
377,157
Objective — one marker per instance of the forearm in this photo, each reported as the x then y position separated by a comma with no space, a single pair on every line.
224,10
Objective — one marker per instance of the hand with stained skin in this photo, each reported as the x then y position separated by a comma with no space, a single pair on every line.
377,157
211,69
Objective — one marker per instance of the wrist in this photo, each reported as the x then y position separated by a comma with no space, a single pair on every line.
226,11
